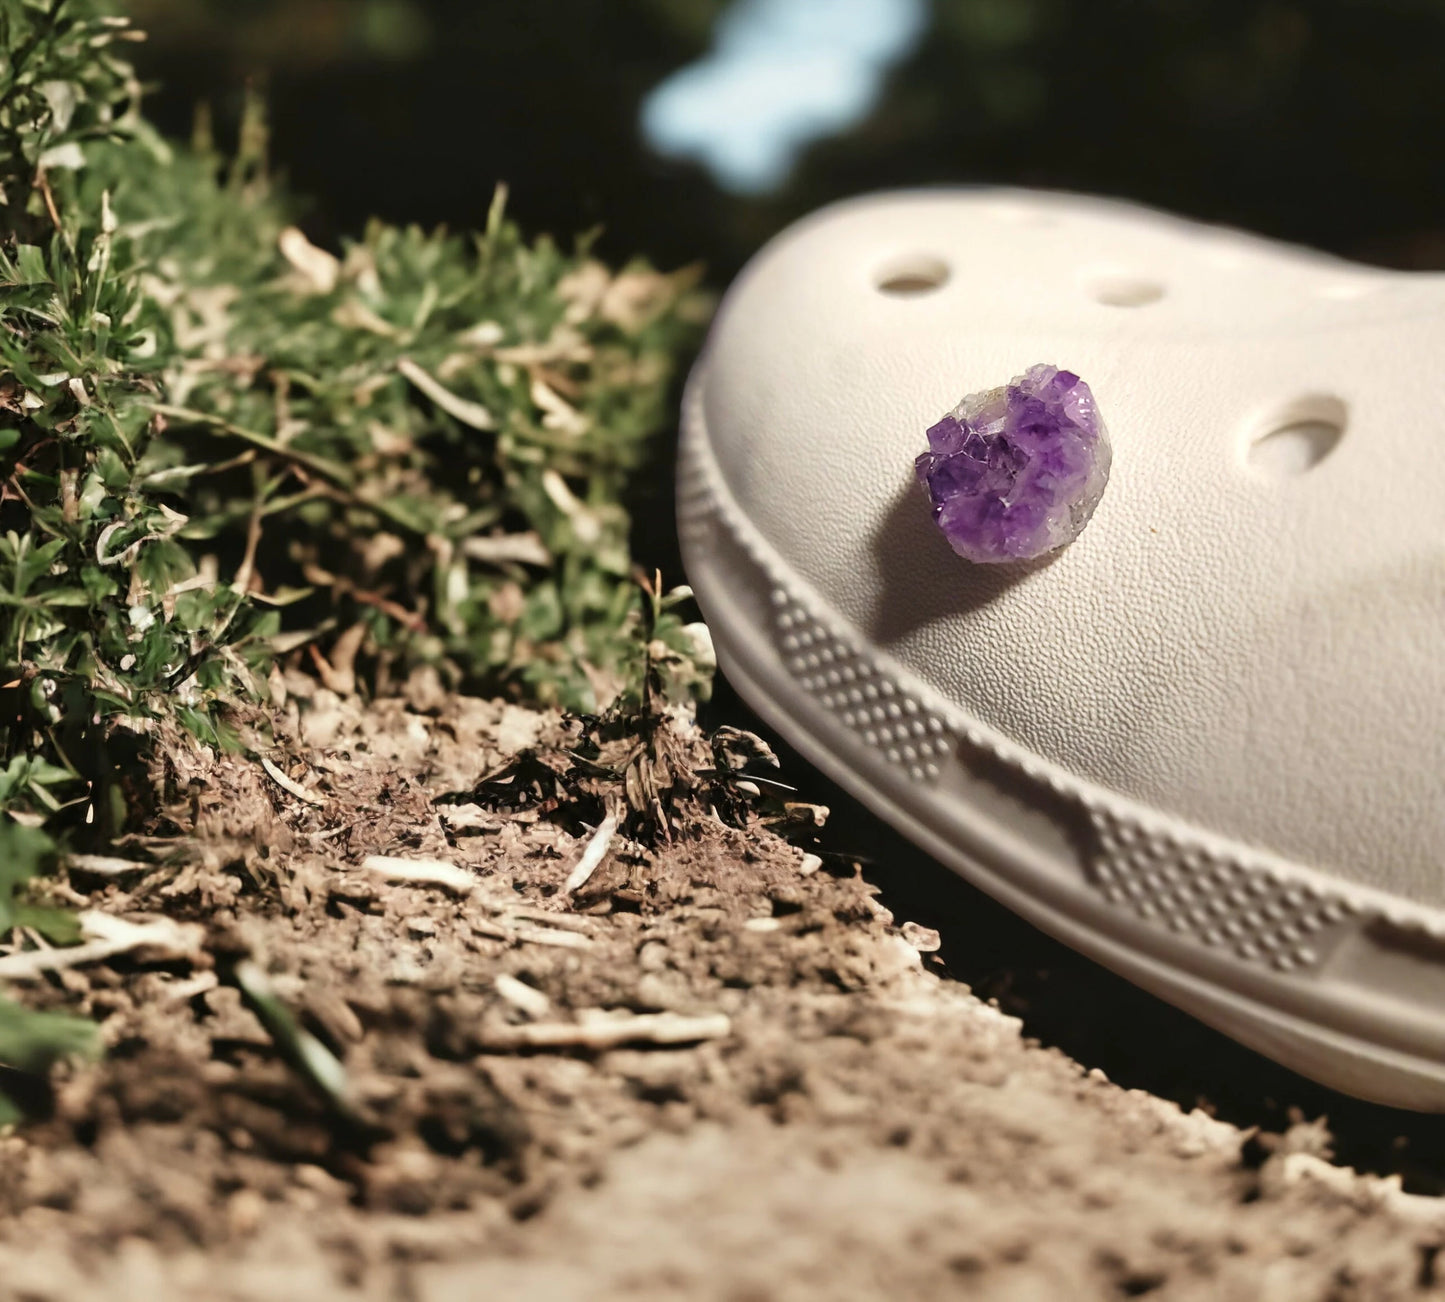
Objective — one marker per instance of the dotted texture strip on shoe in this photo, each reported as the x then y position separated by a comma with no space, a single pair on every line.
846,681
1214,897
696,504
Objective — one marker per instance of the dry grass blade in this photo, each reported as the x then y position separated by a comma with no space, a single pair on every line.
302,1049
469,413
523,548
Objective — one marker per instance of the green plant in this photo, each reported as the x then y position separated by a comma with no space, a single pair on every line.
220,442
222,446
30,1041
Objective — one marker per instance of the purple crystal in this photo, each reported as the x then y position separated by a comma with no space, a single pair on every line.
1015,472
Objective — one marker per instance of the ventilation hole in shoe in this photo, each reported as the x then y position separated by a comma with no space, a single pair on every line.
907,277
1298,437
1122,289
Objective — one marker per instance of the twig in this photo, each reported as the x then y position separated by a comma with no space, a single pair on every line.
562,921
593,855
491,930
332,834
286,784
407,618
503,929
342,586
597,1029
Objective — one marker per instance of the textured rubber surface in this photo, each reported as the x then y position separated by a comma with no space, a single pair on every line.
1015,724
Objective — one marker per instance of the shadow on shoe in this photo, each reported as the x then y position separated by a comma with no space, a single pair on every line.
921,579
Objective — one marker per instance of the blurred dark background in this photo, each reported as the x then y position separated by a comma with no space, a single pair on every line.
1319,121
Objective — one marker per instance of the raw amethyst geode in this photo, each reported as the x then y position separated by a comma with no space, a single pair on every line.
1015,472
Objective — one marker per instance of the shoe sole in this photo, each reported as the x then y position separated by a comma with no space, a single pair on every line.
1341,983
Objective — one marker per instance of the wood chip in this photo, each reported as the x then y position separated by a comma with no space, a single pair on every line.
106,865
597,1029
286,784
562,921
520,995
469,818
420,872
546,936
108,937
924,939
593,855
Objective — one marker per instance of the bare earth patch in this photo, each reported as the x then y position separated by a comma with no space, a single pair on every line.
715,1069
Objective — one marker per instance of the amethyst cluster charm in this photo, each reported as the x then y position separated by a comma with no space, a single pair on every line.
1014,473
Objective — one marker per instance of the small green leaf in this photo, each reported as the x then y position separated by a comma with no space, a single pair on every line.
56,925
24,852
33,1042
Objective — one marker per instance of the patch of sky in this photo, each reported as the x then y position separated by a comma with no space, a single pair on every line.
780,75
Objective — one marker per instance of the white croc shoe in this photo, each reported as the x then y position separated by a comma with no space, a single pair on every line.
1206,744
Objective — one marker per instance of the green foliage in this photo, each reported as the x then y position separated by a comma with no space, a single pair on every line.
23,852
219,443
221,446
61,88
31,1041
438,431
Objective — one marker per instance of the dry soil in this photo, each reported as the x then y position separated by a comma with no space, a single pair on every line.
719,1068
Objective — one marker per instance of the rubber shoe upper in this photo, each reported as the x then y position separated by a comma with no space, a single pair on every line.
1249,636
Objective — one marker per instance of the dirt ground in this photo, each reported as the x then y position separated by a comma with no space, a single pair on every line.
716,1068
